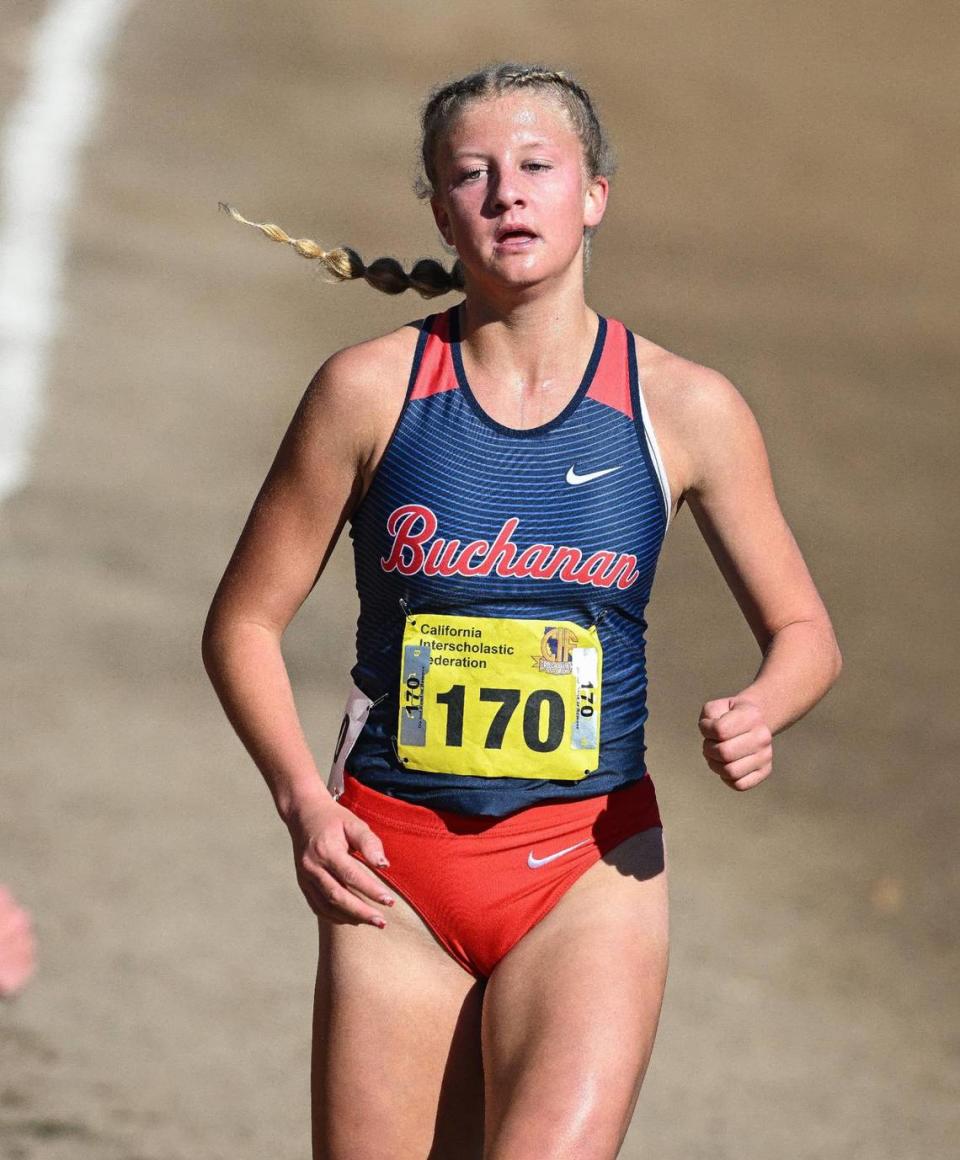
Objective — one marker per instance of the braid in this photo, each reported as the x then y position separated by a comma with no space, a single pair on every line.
428,277
447,101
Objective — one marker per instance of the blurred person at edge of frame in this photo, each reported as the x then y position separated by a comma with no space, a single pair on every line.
17,945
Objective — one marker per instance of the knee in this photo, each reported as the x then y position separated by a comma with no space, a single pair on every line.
588,1129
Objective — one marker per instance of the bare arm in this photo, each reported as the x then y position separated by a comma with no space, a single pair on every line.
315,481
732,498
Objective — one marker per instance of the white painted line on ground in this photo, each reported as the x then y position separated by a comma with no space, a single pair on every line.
44,134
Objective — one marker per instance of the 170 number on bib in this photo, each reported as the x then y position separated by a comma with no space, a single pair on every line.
522,699
544,714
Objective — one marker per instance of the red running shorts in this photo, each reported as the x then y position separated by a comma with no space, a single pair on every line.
481,883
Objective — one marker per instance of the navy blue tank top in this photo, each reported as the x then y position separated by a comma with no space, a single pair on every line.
467,517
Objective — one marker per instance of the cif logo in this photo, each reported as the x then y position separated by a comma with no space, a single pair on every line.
556,651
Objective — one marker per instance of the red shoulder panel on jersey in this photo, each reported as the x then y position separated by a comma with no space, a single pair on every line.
611,383
436,372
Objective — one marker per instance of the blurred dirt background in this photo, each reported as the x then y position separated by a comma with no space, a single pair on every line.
786,211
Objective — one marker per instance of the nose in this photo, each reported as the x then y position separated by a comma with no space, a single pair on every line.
506,189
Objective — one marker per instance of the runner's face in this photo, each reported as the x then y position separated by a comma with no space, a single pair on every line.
513,194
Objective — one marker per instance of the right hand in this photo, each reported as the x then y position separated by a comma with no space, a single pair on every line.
332,880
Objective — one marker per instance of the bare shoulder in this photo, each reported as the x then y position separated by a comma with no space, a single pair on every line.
361,388
316,479
697,412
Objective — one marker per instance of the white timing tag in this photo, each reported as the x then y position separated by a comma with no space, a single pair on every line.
354,717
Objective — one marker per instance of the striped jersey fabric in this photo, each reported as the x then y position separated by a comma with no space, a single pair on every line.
468,517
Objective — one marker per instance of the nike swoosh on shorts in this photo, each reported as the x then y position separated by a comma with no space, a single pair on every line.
533,862
574,480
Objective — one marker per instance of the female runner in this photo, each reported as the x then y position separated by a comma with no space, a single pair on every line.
508,468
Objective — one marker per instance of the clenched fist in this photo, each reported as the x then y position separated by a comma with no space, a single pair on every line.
737,743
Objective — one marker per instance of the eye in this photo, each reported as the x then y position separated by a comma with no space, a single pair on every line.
537,166
469,175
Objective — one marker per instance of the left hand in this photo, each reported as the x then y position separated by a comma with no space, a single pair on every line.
738,744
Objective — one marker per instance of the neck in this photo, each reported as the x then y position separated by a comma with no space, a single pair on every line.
524,358
533,330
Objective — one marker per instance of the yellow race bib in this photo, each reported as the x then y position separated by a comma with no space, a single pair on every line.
487,697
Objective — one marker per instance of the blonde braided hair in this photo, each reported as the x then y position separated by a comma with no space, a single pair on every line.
447,101
428,277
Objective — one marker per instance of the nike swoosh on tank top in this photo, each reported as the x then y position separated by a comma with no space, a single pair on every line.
468,518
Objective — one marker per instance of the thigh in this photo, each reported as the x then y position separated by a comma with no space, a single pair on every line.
570,1014
397,1069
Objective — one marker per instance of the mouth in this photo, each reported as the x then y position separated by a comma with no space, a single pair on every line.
513,237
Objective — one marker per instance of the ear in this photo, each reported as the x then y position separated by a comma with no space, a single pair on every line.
595,201
442,219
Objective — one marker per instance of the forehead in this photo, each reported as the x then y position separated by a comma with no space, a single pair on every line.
511,118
